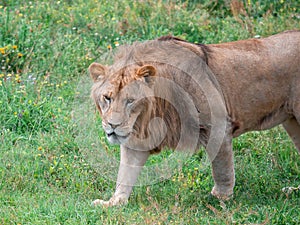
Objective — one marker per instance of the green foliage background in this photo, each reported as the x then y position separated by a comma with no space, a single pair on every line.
46,48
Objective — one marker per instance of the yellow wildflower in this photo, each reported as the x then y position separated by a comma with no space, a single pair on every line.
9,75
1,75
40,148
117,43
20,54
109,47
14,46
2,50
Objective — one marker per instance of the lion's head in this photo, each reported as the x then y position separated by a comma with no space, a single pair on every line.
123,99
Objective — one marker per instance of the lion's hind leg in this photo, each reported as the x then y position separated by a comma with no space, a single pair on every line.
292,127
223,171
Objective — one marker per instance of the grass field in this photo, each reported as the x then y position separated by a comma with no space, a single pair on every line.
45,177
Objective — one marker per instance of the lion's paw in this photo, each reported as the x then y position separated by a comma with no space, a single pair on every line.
222,195
100,202
114,201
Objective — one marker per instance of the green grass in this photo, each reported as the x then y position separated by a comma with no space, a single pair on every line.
45,175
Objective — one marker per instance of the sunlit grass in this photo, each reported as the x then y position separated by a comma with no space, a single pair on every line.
45,50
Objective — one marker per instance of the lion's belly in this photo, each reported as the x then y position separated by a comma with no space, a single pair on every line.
262,122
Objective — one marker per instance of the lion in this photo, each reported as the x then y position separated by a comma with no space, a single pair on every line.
151,93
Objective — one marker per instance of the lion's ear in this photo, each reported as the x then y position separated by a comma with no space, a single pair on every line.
97,71
146,72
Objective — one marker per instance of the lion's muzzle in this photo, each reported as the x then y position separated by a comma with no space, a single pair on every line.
115,133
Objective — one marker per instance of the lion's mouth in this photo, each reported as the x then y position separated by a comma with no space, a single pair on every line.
117,135
115,138
111,134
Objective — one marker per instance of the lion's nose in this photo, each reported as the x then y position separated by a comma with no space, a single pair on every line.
114,120
113,125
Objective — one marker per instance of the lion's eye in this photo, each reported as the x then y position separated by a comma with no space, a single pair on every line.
106,99
129,101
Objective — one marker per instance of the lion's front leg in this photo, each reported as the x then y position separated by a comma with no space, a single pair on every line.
131,164
223,171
